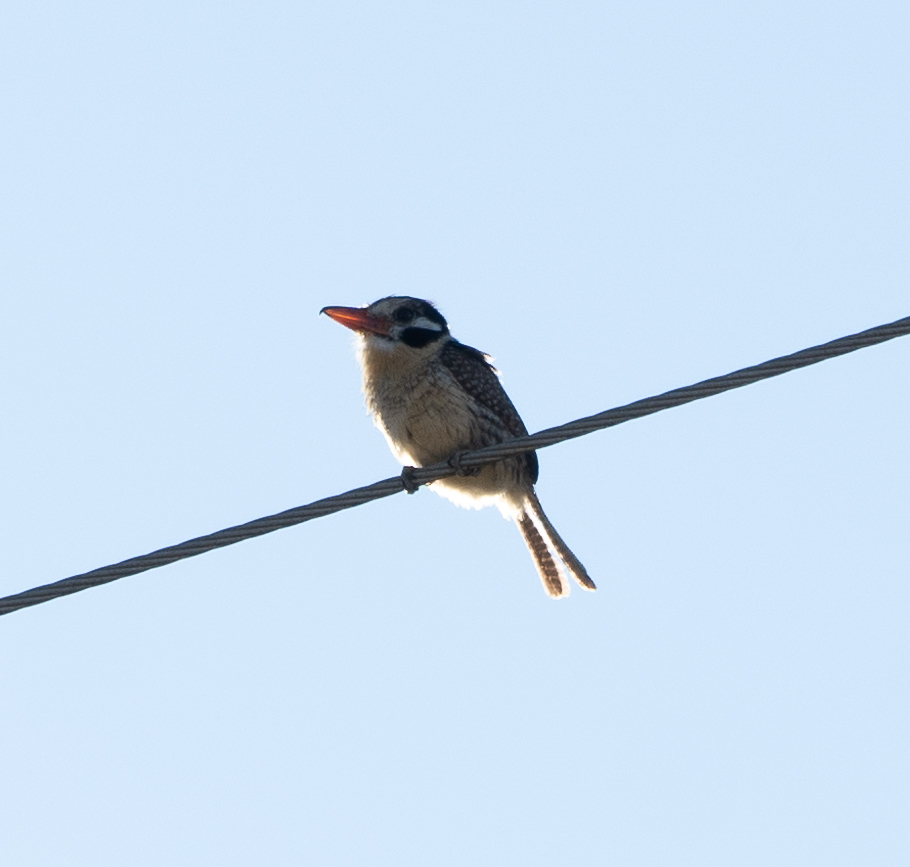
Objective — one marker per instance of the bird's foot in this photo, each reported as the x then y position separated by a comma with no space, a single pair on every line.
461,470
408,481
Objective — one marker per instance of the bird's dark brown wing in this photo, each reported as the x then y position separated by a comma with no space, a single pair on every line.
477,377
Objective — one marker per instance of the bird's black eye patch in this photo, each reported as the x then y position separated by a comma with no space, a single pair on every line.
418,337
403,315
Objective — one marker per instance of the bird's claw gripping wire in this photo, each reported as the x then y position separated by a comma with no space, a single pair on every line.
410,484
460,469
408,481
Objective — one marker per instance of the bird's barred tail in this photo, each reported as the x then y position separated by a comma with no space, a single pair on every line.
544,542
553,581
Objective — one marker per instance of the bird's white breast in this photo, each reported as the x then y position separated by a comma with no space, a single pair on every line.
425,415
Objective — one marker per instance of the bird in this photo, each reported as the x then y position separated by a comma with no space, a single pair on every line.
433,398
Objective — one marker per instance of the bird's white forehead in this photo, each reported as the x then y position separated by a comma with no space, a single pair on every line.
387,306
426,316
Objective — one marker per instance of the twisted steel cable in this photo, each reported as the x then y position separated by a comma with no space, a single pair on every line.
412,478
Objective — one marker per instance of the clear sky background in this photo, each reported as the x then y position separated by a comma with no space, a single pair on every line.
612,200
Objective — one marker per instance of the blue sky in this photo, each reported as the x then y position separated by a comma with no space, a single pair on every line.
612,200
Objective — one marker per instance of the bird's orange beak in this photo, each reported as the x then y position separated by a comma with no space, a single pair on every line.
357,319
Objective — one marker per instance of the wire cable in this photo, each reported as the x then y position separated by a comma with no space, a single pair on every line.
414,477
